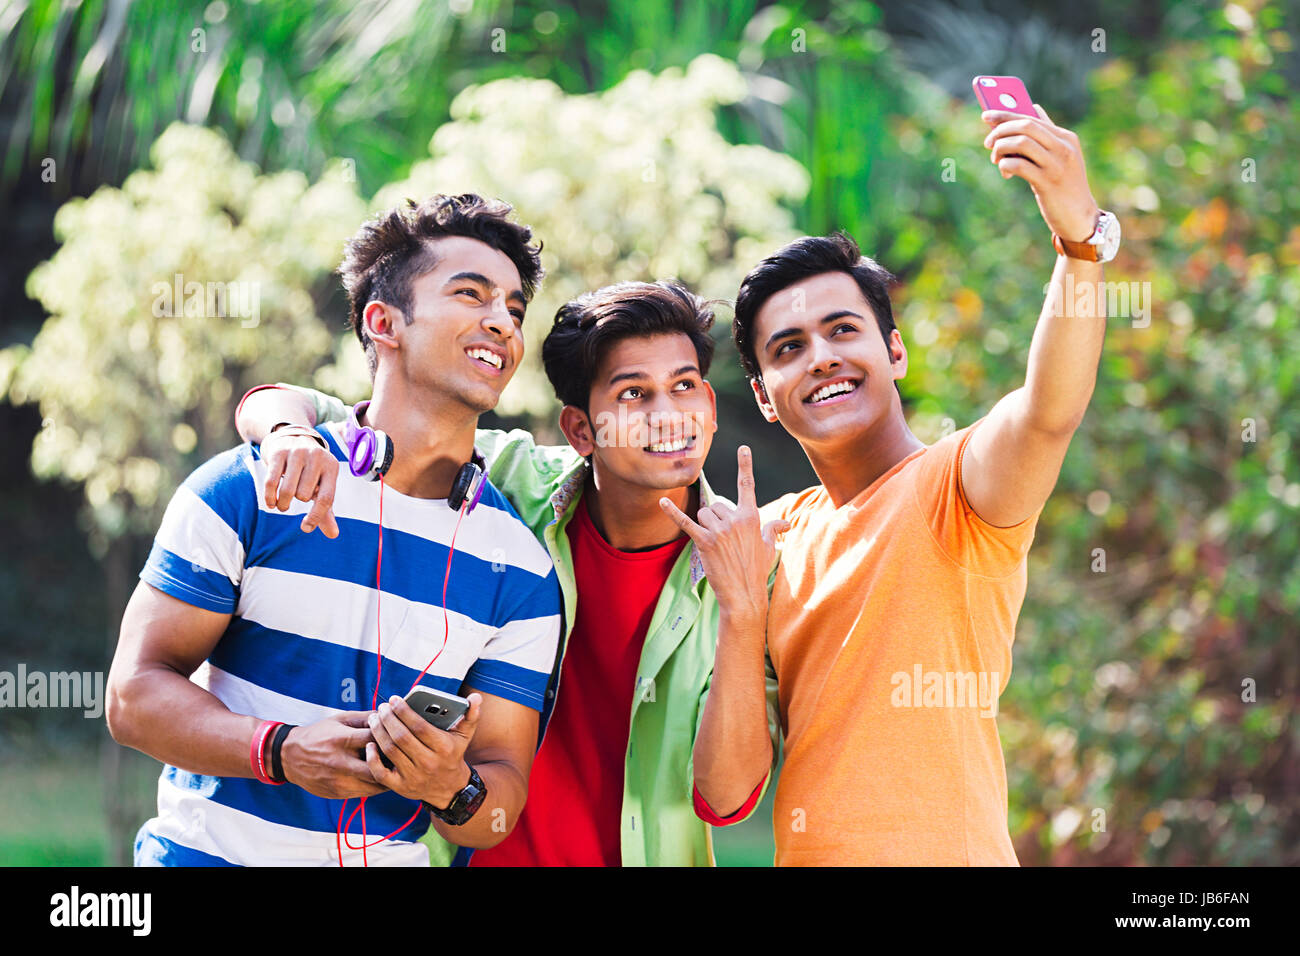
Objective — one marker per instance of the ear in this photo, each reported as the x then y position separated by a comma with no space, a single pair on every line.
577,429
713,405
760,396
381,324
897,355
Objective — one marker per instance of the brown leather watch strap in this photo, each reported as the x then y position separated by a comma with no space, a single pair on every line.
1076,250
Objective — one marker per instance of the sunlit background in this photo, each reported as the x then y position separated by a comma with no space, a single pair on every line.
1152,714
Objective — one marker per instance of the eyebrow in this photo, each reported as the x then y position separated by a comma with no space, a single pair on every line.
787,333
514,295
624,376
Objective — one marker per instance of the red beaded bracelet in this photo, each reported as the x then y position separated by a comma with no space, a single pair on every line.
257,749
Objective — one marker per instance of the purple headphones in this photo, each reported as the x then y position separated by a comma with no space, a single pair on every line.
370,455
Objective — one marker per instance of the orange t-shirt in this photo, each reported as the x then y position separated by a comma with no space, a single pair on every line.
890,629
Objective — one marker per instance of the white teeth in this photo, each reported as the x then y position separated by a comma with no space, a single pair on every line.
839,388
490,357
670,445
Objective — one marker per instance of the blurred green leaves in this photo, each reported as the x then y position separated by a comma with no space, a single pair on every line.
292,84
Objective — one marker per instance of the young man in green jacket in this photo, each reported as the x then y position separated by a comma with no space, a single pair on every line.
614,781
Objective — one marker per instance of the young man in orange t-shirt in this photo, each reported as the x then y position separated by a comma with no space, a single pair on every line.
892,612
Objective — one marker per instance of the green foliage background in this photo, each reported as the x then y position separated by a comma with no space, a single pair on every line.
1152,715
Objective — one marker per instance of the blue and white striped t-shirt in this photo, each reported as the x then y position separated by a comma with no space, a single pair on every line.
302,641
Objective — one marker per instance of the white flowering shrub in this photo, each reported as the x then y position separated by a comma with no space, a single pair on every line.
199,278
167,299
632,183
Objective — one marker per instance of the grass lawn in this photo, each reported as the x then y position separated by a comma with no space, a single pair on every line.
52,812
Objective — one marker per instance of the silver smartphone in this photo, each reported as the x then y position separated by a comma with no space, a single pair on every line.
441,709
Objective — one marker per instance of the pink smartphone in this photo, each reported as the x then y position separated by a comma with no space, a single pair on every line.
1003,93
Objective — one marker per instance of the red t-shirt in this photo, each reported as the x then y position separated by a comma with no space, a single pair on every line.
575,790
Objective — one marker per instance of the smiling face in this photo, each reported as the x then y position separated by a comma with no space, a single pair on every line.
827,374
463,338
651,415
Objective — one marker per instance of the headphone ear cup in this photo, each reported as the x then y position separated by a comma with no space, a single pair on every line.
468,487
478,478
361,451
370,451
383,454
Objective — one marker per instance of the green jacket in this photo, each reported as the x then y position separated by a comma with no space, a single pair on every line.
659,825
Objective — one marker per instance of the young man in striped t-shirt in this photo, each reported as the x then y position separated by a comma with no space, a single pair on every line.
242,621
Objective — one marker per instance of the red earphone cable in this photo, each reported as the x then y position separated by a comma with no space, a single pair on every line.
341,833
379,596
446,623
379,650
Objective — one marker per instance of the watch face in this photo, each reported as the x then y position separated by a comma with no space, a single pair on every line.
1110,237
476,800
466,802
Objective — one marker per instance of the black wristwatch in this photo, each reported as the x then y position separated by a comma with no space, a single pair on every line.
465,804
